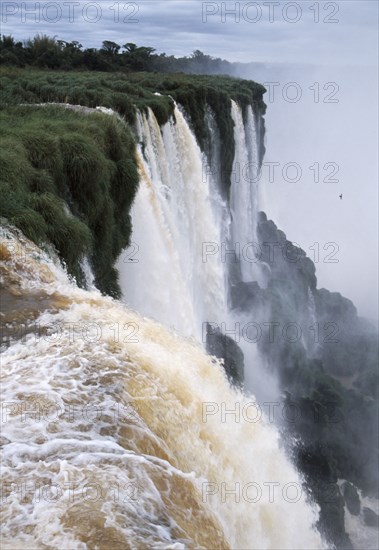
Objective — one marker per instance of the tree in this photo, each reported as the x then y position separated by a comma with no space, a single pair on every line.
7,42
44,51
75,45
138,58
130,47
110,48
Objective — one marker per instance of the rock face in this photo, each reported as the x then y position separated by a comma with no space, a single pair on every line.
370,517
224,347
355,337
351,497
284,258
325,358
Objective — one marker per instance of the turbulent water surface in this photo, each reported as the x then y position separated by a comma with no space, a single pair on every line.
165,274
106,444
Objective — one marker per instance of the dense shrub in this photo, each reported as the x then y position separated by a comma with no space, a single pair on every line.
70,179
126,92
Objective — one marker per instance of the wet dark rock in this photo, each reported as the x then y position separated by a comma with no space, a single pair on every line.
247,296
224,347
288,262
370,518
321,483
351,497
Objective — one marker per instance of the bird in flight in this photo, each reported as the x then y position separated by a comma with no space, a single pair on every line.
341,196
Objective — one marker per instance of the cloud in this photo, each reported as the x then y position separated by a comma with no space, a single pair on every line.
179,27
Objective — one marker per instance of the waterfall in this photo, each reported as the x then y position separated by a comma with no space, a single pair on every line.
106,444
89,277
311,344
173,216
179,207
243,195
178,212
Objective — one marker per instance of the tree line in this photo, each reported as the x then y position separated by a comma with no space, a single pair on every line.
47,52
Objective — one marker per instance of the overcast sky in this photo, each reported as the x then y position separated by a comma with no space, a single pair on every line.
257,31
304,42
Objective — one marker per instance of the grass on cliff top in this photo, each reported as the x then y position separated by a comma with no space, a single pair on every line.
69,179
127,92
52,157
121,91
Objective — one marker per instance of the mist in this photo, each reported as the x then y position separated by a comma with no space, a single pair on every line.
342,133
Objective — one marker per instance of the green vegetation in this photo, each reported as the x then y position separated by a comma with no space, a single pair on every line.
127,92
69,179
48,53
116,91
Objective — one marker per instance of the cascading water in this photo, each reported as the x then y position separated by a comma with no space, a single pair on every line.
244,194
311,344
212,171
120,453
88,274
172,219
167,273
